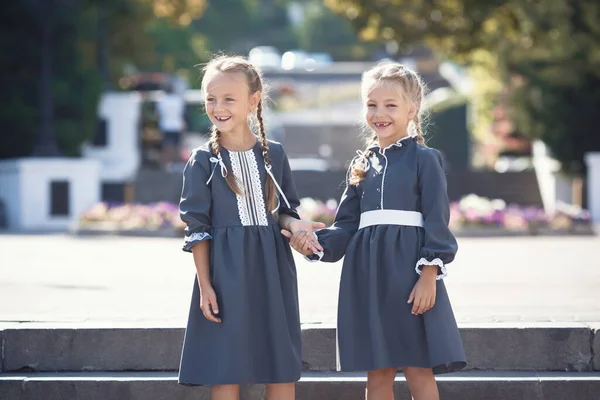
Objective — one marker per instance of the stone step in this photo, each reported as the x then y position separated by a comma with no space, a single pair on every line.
534,348
313,386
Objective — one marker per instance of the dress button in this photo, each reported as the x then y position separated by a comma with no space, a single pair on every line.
378,189
378,207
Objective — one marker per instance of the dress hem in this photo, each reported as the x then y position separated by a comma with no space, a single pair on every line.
438,369
253,382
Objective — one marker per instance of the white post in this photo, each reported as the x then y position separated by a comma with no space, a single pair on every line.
546,169
592,161
120,158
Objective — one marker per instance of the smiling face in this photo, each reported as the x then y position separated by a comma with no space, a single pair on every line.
388,112
229,101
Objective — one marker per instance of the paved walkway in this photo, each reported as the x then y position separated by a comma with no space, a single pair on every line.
116,281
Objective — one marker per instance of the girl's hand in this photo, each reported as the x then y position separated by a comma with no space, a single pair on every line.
303,242
423,294
302,225
301,236
208,302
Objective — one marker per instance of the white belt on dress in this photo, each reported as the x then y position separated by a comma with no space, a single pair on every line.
390,217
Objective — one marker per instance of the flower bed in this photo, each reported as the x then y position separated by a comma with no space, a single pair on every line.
471,216
477,216
480,216
158,219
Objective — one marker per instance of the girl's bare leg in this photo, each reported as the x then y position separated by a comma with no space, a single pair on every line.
225,392
422,383
281,391
380,384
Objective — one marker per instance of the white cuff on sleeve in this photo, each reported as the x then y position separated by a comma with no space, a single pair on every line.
320,254
436,261
194,239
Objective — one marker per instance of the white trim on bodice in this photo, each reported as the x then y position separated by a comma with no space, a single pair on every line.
251,203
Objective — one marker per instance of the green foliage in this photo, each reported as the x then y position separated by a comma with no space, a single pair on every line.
271,26
76,77
454,140
176,47
20,92
238,25
326,32
548,52
454,25
74,86
565,117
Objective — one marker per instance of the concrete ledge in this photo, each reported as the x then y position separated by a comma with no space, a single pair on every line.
159,349
312,386
1,350
319,349
155,349
530,349
98,388
570,389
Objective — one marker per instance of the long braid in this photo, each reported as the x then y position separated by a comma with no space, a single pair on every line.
215,146
215,141
270,190
417,121
358,167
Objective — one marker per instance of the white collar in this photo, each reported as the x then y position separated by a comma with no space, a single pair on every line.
397,143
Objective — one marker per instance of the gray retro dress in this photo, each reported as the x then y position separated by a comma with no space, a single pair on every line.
251,267
387,226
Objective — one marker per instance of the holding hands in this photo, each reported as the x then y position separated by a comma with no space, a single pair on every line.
302,237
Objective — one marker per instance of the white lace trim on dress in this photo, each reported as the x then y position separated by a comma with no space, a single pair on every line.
251,203
435,261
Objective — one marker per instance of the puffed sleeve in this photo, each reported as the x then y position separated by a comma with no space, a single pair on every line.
289,190
196,201
335,239
439,247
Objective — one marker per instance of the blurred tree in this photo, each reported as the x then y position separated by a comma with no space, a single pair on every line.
50,92
323,31
452,25
144,34
66,50
226,23
175,47
19,80
548,52
75,85
239,25
271,27
180,11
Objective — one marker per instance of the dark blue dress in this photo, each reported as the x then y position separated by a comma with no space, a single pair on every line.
252,271
387,226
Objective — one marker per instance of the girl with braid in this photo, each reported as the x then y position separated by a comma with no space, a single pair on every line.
238,193
392,227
